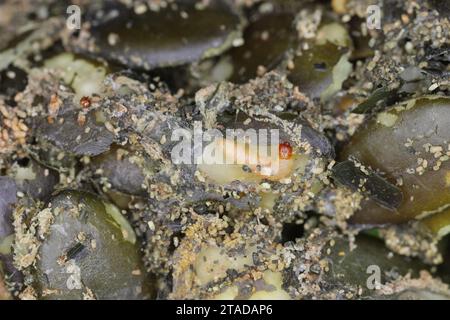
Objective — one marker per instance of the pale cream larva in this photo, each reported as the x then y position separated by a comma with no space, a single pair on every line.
226,160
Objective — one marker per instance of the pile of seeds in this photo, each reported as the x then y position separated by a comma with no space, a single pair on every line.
116,120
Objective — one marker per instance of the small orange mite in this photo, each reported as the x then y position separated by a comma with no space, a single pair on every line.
285,151
85,102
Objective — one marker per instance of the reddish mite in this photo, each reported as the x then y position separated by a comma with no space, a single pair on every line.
285,151
85,102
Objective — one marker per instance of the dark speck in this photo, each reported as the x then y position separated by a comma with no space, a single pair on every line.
320,66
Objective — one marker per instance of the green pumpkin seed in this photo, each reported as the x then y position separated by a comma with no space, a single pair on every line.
409,144
178,34
89,251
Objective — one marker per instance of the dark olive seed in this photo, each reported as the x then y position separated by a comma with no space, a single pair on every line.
125,169
173,36
89,249
350,267
321,65
275,33
410,144
66,132
8,198
313,68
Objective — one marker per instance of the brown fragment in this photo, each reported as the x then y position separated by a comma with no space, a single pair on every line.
85,102
54,105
